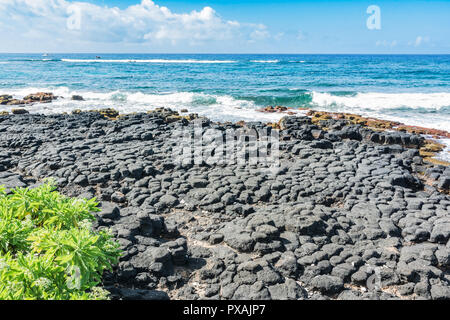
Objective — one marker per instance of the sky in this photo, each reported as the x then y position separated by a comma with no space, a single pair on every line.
231,26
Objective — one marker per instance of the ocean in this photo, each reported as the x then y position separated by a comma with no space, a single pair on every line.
413,89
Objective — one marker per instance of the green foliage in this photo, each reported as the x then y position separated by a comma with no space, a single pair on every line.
48,249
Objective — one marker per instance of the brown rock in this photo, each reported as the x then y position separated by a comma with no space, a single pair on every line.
15,102
425,131
4,99
109,113
278,109
192,116
43,97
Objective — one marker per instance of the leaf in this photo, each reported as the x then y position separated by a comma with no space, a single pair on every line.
40,236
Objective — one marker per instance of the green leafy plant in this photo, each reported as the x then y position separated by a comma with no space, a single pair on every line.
48,248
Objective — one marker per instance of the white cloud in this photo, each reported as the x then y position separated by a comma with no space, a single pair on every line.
419,41
68,23
301,35
278,36
259,33
385,43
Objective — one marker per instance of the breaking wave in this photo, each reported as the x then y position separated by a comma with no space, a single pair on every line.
215,107
423,109
187,61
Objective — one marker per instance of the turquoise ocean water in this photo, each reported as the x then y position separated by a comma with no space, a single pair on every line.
408,88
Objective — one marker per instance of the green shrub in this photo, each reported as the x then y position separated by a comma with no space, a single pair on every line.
48,249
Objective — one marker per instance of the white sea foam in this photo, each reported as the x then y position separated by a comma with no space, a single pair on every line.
265,61
188,61
377,101
398,107
227,108
30,60
445,154
215,107
401,107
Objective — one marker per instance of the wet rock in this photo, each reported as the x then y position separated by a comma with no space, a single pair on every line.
19,111
42,97
77,98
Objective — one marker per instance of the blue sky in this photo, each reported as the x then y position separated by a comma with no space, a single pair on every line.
202,26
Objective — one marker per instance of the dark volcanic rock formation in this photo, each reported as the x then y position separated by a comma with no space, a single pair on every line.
344,216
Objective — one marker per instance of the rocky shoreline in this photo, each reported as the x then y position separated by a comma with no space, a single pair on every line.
432,150
350,213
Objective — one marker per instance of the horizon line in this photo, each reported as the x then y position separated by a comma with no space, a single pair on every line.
193,53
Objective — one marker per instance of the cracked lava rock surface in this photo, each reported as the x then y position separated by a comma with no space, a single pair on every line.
349,214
